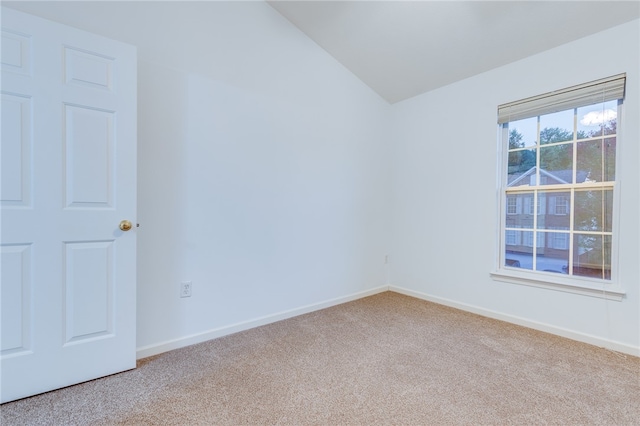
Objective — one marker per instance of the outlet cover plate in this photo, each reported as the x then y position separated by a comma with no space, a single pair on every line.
185,289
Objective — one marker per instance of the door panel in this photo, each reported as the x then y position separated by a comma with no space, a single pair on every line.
89,151
16,151
16,52
89,290
16,299
88,69
68,178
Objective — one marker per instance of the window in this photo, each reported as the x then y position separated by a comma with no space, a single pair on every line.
560,241
541,206
561,205
528,205
540,241
559,161
511,205
529,239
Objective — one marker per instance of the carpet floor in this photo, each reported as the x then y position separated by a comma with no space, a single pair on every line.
387,359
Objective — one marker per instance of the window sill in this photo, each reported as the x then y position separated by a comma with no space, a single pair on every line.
608,291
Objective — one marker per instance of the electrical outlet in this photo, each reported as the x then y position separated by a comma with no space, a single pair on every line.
185,289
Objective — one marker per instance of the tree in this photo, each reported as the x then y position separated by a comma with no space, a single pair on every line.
558,157
515,139
608,128
520,161
597,157
554,134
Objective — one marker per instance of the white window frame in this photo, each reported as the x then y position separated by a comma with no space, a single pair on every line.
560,100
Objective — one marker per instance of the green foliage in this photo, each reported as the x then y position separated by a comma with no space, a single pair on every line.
519,161
554,134
515,139
557,157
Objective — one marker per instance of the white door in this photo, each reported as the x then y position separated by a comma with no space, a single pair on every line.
68,178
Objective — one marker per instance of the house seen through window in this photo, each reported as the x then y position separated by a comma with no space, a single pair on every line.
559,179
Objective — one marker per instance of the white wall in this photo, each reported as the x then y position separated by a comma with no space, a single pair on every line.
444,192
263,166
263,174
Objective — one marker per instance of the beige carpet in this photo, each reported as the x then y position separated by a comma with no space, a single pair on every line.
386,359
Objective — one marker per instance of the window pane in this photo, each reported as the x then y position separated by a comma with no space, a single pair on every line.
592,256
596,160
556,164
519,213
523,133
521,162
593,210
556,127
556,214
516,254
593,119
553,252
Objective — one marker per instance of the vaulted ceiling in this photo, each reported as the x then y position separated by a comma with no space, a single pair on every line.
398,48
404,48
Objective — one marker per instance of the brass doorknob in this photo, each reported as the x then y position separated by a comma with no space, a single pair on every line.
125,225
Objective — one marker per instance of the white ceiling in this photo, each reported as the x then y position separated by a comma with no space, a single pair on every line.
404,48
398,48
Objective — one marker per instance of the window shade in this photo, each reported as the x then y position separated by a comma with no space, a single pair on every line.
606,89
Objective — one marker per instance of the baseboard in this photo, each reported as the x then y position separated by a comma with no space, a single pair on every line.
150,350
573,335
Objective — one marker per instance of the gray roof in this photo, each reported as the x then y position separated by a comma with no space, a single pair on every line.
559,176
